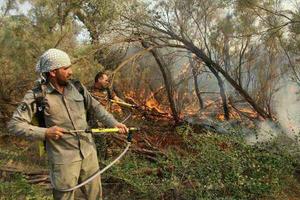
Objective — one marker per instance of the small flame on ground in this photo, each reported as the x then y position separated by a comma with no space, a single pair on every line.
153,104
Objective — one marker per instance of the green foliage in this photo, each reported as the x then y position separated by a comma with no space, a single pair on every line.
20,153
19,188
295,26
224,166
208,166
204,166
23,38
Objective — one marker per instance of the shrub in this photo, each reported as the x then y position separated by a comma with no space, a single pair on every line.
19,188
207,166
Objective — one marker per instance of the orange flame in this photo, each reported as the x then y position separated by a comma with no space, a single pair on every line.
153,104
220,117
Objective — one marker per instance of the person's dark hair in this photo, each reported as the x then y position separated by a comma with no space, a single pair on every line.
99,75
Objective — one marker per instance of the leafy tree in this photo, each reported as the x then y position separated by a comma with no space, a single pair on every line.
225,36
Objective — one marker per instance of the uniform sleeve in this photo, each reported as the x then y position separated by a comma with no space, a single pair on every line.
101,114
20,123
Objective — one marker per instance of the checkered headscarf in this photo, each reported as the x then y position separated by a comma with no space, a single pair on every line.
52,59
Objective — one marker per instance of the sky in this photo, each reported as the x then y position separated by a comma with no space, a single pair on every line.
84,35
288,4
24,8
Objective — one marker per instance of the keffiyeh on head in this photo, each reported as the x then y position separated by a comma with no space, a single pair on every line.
52,59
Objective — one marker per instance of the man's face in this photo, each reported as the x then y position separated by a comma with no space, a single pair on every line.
62,75
103,82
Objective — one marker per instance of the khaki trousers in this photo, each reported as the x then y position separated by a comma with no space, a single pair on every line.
68,175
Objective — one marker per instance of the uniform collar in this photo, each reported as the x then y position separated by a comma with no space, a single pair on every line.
50,88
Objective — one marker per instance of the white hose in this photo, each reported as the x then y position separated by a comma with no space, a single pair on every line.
99,172
129,115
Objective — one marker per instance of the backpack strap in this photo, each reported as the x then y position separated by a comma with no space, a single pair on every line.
39,96
109,94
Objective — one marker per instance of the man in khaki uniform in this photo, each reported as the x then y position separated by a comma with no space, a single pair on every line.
72,156
102,92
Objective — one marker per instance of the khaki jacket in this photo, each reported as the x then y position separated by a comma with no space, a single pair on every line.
67,111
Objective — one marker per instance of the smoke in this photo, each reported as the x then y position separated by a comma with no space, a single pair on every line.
266,132
287,112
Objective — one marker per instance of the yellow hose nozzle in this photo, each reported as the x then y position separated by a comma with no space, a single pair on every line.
121,103
111,130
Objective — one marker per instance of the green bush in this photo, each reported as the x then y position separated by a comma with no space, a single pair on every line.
207,166
19,188
223,166
199,166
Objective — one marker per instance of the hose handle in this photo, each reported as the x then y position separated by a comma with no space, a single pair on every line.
131,130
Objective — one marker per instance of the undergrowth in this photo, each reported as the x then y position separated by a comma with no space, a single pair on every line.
206,166
19,188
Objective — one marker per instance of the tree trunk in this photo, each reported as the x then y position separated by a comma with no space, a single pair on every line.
166,81
197,90
200,54
222,92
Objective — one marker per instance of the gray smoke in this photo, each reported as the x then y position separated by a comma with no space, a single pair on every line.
287,111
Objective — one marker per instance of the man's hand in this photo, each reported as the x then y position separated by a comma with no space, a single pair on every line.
54,132
122,128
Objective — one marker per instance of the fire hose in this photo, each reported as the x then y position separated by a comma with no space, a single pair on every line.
101,131
99,172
